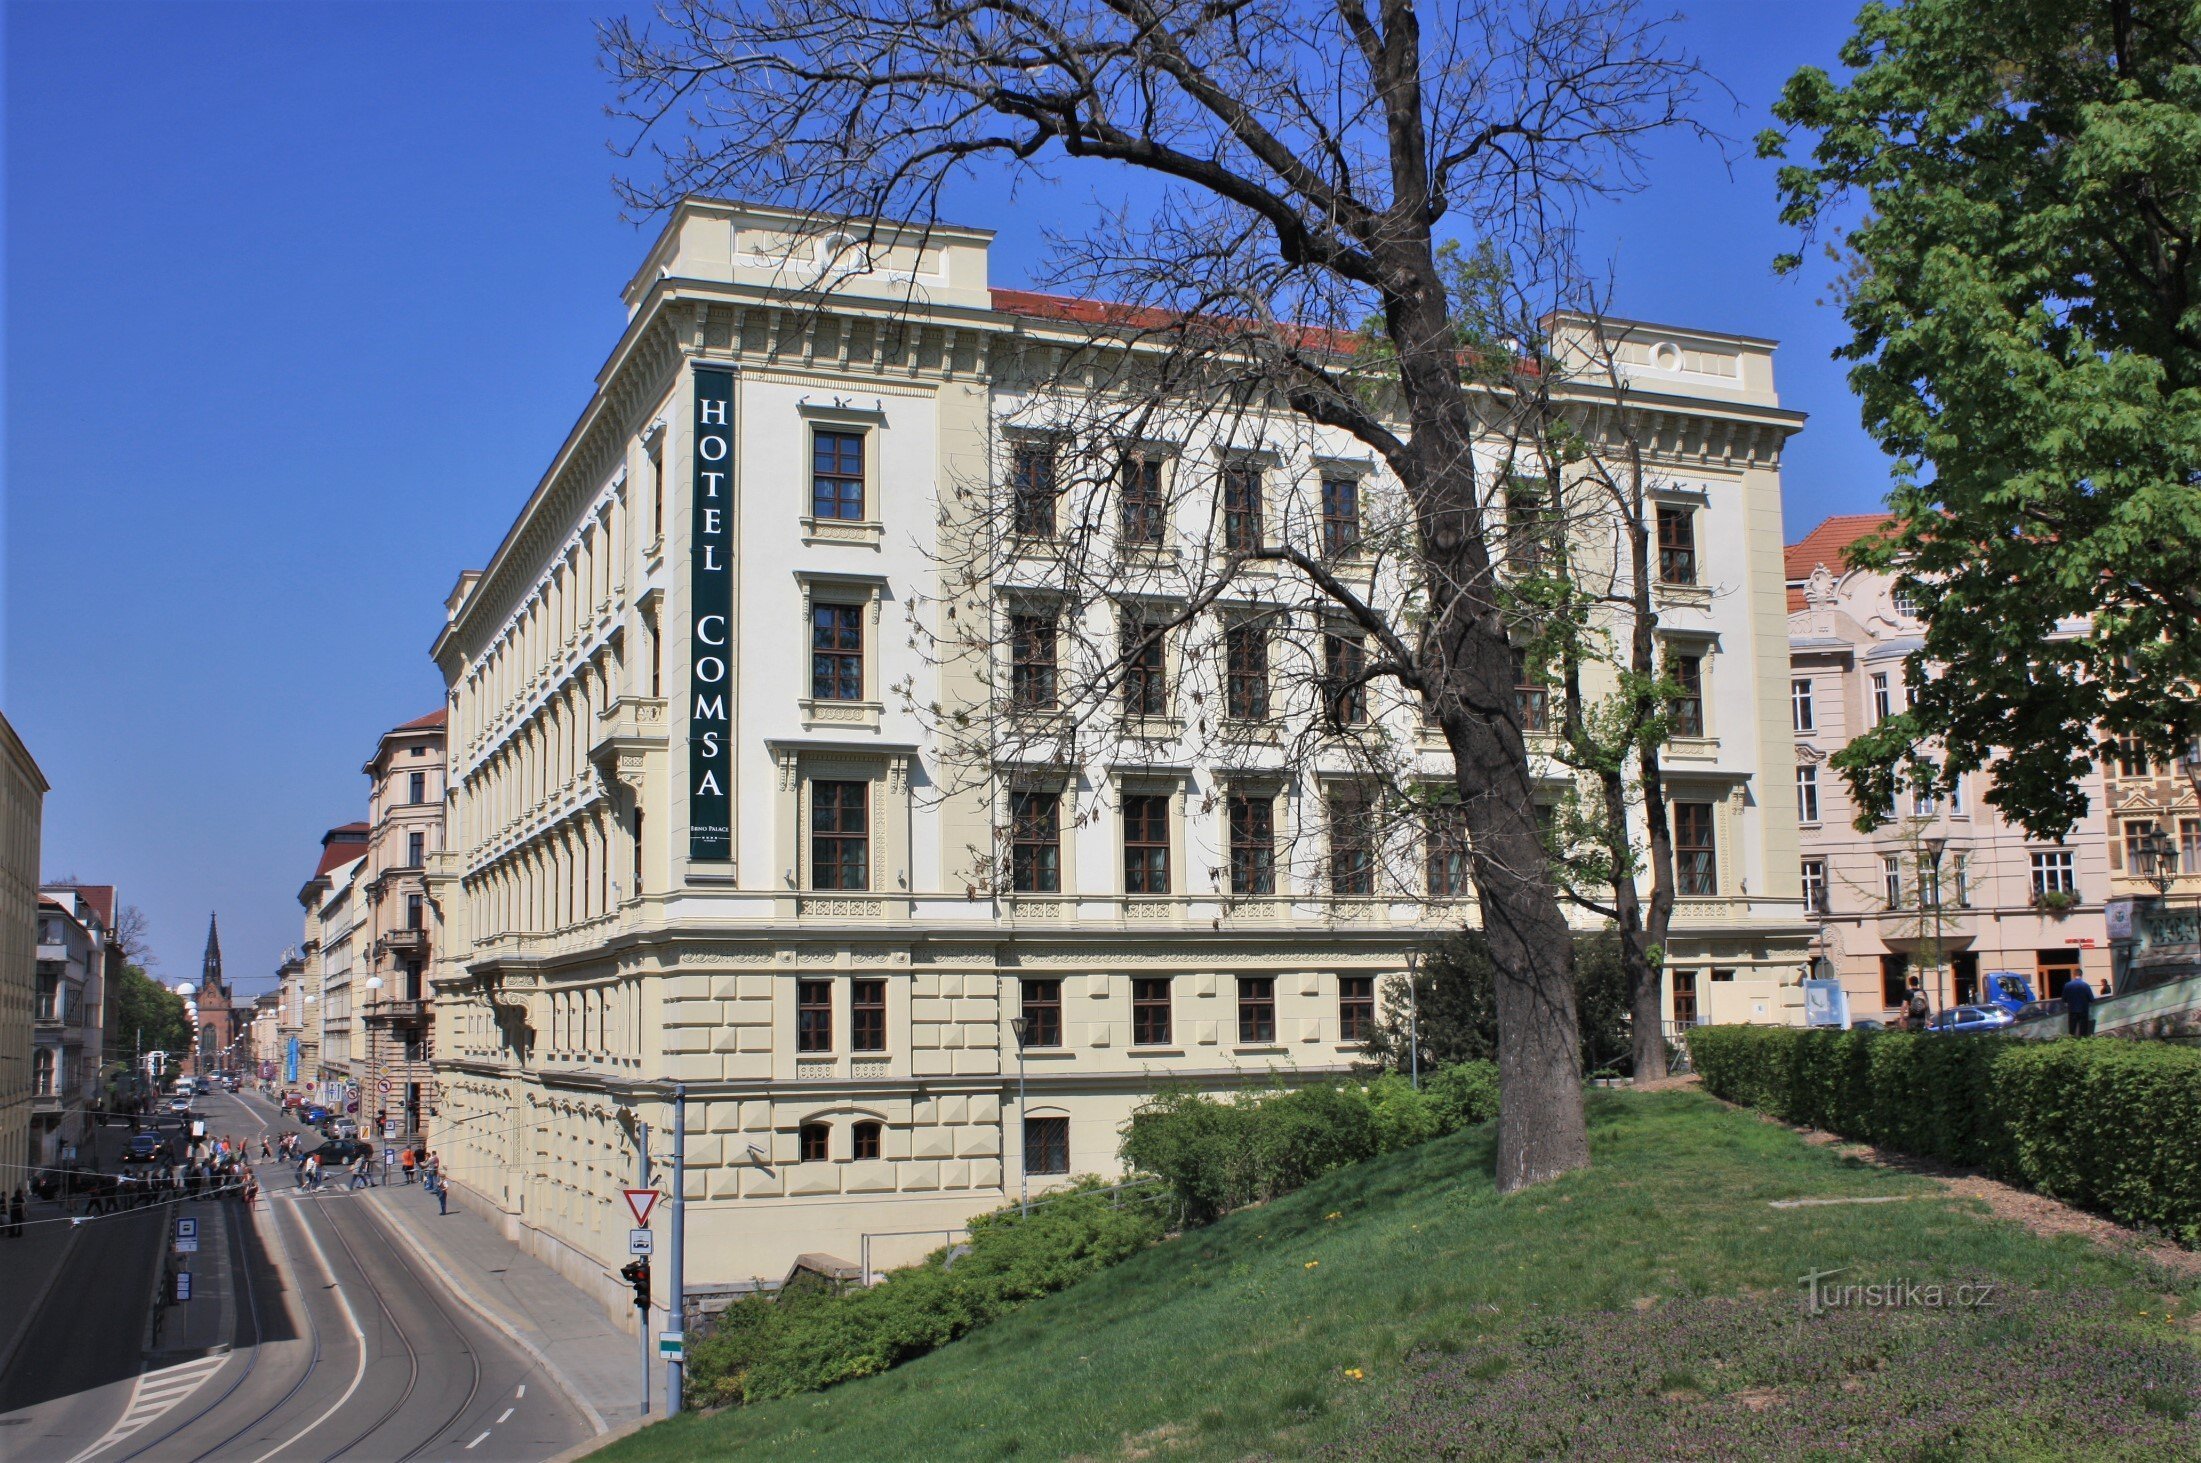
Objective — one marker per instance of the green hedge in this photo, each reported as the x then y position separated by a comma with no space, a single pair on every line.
807,1339
2107,1124
1217,1155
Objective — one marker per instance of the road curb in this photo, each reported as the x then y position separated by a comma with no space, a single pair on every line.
482,1309
596,1445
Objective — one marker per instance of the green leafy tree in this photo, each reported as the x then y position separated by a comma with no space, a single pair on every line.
154,1018
2014,187
1454,1007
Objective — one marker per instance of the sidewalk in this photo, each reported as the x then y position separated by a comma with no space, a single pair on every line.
597,1363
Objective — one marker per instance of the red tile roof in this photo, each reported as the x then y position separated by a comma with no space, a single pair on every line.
102,899
1829,544
435,718
340,845
1036,306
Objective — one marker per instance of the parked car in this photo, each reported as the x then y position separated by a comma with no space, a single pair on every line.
2040,1011
1867,1023
340,1128
341,1152
2007,989
179,1105
1963,1019
292,1100
145,1148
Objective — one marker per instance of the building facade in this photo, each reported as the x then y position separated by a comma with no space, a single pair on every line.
703,829
341,941
67,1013
22,812
405,804
264,1039
299,978
220,1031
1945,889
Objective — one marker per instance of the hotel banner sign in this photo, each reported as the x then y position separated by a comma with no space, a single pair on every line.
710,600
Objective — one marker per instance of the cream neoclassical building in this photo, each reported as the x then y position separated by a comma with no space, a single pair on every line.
704,826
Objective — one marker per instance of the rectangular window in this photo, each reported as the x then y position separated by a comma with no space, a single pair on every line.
1807,794
1891,879
1256,1008
1356,1007
415,909
1246,671
1241,508
1039,1002
840,835
1528,529
2132,758
416,787
1046,1145
1144,511
2189,845
1352,842
1883,699
1800,712
867,1015
1150,1013
837,652
1923,803
1146,844
817,1142
1032,662
837,475
1345,695
1696,859
1685,998
1032,480
1687,707
1956,795
1815,885
1447,852
2053,873
1035,842
1252,843
2137,833
1677,544
1340,517
416,850
1530,697
866,1140
1960,879
1145,672
813,1015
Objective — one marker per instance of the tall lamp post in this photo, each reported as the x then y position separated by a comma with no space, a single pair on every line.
1023,1159
1931,888
2156,857
370,1086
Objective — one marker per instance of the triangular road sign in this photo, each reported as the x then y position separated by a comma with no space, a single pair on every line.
641,1201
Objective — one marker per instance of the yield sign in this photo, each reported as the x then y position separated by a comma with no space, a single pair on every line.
641,1201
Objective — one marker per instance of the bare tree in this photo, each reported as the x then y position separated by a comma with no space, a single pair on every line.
1312,158
134,932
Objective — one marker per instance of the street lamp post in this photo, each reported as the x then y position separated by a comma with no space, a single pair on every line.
1023,1159
1935,847
2155,858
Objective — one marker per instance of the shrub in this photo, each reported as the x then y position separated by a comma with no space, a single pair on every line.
2109,1125
766,1347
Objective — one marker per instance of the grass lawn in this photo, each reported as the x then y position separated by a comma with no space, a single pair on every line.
1649,1307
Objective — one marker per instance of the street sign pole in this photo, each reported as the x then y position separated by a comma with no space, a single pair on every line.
676,1302
642,1181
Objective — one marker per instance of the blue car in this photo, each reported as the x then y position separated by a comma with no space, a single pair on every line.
313,1117
1971,1019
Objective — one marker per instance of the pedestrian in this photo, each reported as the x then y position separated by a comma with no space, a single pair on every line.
264,1154
2078,1006
406,1161
15,1214
1916,1008
359,1173
313,1172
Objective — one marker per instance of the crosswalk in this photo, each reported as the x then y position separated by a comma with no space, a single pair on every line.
156,1394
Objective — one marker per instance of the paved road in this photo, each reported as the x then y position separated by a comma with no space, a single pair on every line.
340,1348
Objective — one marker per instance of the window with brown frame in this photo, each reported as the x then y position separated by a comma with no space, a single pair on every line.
813,1015
1530,696
1677,544
1246,671
1144,514
1256,1008
1241,508
837,475
1528,528
1340,517
867,1015
1145,668
1150,1013
1146,843
866,1140
817,1142
1352,841
1446,853
1032,484
1686,709
1033,662
837,652
1356,1007
840,836
1035,842
1046,1145
1039,1002
1685,997
1345,694
1252,818
1696,858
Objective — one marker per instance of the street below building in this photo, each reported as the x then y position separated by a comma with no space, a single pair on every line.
311,1332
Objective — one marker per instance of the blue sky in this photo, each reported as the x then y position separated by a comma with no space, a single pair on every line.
301,299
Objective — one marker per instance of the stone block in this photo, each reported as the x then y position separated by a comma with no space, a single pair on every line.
952,1037
755,1038
1203,985
916,1176
726,1038
976,1141
755,987
931,1064
973,1011
1310,984
869,1178
756,1117
934,1143
924,983
1099,1034
1203,1032
705,1150
695,1185
685,1040
726,987
955,1175
725,1182
985,1109
749,1067
814,1178
1096,987
955,1110
924,1111
1310,1029
931,1008
759,1182
986,1174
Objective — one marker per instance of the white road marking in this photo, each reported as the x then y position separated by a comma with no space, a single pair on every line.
522,1392
501,1417
470,1447
155,1394
359,1372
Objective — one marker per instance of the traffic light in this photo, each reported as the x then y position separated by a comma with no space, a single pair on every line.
637,1274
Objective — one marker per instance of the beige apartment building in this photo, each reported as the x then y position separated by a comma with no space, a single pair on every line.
299,978
1945,889
704,826
22,811
405,816
341,940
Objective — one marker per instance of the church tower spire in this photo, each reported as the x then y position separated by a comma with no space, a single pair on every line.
210,970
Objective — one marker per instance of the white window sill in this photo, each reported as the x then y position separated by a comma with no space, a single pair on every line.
859,532
840,714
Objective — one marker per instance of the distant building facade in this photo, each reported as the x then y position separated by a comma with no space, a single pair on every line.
299,978
1945,889
342,944
22,812
219,1031
67,1018
405,816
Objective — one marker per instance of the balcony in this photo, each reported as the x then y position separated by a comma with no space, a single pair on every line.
397,1013
406,942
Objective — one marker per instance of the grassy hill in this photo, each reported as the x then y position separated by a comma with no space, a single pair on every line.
1650,1307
